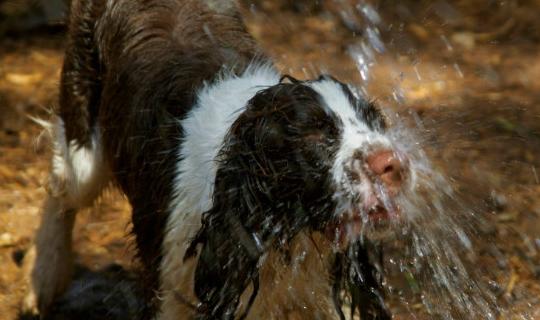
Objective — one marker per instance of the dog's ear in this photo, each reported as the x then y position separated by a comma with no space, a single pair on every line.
231,239
241,225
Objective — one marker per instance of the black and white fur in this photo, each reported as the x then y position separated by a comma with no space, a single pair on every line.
235,174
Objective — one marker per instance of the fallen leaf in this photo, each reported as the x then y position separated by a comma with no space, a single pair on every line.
23,79
419,32
464,39
7,240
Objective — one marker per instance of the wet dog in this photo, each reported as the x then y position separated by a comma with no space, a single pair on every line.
250,190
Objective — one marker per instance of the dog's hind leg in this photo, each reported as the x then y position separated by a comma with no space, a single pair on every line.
78,172
78,176
48,263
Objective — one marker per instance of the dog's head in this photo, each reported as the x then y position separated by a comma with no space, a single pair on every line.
304,155
312,154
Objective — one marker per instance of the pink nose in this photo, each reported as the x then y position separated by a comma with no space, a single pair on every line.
388,167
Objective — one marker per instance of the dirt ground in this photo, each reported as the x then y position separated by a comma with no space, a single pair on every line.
469,75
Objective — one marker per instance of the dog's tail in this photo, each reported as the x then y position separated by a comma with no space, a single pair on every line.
80,87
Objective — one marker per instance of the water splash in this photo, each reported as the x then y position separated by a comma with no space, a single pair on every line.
430,261
435,247
371,44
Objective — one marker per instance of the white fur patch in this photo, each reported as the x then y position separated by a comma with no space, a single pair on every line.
78,172
218,105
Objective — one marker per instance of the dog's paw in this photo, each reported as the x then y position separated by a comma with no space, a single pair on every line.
42,283
29,305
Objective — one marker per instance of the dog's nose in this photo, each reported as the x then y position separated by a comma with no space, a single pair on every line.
387,166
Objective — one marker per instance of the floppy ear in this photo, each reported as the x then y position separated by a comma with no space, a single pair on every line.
354,274
236,230
232,238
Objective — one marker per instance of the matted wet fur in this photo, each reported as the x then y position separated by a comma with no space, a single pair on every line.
133,71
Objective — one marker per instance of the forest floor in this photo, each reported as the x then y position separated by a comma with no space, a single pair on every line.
477,96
